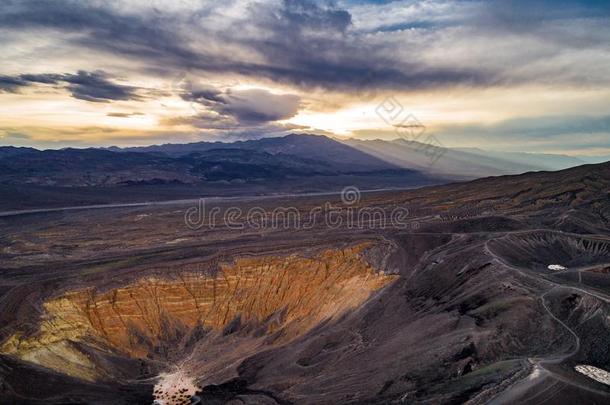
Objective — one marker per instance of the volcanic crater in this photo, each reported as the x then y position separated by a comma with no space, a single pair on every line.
158,326
538,249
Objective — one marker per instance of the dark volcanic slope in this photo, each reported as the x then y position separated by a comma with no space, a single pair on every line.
453,303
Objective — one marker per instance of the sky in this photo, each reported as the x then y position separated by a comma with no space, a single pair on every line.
510,75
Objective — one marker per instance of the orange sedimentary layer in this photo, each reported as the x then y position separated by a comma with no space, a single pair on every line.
137,317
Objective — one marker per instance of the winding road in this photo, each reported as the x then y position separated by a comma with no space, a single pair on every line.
516,390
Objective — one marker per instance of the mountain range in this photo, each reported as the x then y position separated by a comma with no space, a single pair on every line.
291,164
443,162
266,159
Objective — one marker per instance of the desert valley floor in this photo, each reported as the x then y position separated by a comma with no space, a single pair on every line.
458,304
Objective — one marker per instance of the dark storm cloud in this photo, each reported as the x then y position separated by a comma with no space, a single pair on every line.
244,107
310,45
304,43
96,87
11,84
206,95
89,86
258,106
44,78
230,128
145,36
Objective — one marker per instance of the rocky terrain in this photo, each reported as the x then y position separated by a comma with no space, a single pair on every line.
454,303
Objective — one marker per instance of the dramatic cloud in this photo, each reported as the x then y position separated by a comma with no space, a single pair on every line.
306,43
312,63
238,107
256,105
89,86
96,87
11,84
299,42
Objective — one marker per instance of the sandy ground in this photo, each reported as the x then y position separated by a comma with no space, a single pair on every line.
595,373
174,389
